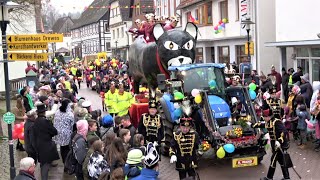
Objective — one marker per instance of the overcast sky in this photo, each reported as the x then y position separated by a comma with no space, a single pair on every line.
66,6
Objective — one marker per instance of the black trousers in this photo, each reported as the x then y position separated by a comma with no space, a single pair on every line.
64,150
277,156
190,172
34,157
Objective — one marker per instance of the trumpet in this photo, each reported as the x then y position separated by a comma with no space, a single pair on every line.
316,109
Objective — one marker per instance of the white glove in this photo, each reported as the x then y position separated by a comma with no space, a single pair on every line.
284,120
155,143
173,159
277,144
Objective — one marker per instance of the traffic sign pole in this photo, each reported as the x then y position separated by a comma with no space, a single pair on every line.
4,24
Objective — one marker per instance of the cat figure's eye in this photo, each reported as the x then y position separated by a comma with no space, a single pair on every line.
170,45
188,45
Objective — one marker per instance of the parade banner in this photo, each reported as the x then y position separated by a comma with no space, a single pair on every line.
245,12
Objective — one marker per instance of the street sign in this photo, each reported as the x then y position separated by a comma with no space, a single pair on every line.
34,38
27,46
28,56
9,117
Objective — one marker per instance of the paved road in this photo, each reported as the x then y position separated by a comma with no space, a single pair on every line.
306,161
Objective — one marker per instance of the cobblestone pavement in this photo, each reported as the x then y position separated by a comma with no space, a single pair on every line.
306,162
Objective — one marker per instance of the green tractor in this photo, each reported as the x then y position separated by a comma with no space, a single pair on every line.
222,115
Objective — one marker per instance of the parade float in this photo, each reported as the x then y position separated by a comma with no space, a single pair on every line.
167,64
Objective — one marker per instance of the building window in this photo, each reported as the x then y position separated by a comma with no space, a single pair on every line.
199,55
122,32
315,70
118,33
237,4
241,56
224,54
106,27
108,46
223,5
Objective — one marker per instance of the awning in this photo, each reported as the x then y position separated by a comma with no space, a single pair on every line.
186,3
292,43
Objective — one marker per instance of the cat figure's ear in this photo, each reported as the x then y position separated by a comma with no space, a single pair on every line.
192,29
157,31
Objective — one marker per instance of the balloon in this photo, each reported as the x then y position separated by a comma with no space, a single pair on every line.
21,136
177,113
14,134
220,22
220,27
252,86
195,92
219,30
224,20
229,148
309,124
216,32
223,25
114,64
17,127
178,96
253,94
176,105
113,60
212,83
266,96
215,28
117,61
221,153
21,141
198,99
91,76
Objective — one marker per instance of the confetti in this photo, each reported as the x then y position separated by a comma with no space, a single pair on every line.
294,166
300,154
304,158
308,171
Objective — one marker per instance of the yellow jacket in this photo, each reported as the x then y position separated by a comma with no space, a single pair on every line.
73,71
123,103
68,85
111,101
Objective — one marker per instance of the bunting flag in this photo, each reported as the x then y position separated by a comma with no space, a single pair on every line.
125,7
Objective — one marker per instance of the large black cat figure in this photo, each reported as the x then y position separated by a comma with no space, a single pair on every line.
172,48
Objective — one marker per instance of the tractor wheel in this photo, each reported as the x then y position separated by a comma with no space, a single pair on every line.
168,133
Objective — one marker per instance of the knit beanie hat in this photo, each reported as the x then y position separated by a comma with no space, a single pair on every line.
82,128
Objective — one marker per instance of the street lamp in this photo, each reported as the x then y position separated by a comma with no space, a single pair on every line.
4,21
247,22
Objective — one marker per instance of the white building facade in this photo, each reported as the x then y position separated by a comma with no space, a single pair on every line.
228,46
90,33
26,26
297,35
119,25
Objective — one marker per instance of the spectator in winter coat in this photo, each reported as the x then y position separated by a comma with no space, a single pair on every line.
285,84
44,131
19,112
126,123
316,90
133,165
63,122
151,170
296,77
277,76
302,125
27,169
26,104
306,89
266,84
80,147
97,164
88,155
29,139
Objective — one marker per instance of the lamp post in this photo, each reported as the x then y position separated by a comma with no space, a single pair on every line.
4,21
247,24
